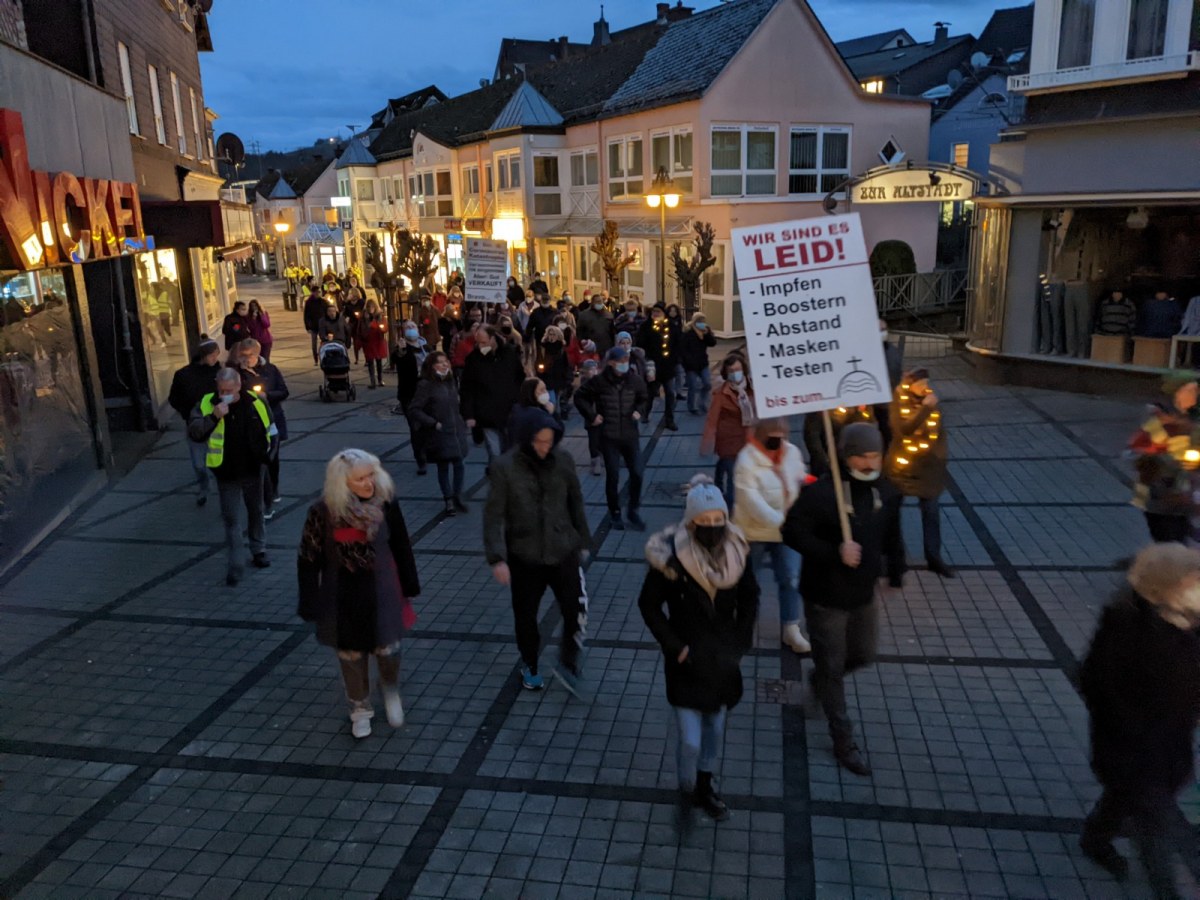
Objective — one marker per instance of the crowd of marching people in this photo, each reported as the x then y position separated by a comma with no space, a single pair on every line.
810,505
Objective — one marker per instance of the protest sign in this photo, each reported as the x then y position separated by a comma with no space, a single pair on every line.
487,270
812,329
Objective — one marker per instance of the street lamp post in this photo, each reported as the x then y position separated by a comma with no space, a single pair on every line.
662,197
281,229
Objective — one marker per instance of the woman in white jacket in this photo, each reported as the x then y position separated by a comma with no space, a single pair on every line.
767,479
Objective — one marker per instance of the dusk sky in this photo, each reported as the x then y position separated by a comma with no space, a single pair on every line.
287,72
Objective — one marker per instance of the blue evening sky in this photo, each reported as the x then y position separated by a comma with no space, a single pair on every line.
286,72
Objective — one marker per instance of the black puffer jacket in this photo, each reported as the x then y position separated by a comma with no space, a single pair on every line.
436,403
693,350
189,386
717,631
812,528
616,398
1141,683
597,327
490,384
535,508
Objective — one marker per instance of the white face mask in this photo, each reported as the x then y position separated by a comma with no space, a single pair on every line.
486,350
865,476
883,335
543,398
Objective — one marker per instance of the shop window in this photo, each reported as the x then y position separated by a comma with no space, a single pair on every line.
672,151
742,160
1075,33
127,87
585,169
160,307
180,134
1147,28
818,159
160,127
625,169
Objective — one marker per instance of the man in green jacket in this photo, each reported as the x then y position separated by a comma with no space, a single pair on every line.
535,533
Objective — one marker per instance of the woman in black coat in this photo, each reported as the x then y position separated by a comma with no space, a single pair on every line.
699,569
1141,683
358,578
266,380
407,358
440,427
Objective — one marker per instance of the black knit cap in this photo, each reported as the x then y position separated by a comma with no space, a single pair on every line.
859,438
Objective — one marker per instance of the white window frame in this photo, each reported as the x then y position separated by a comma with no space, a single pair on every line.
554,190
684,178
429,200
181,134
196,125
470,180
358,190
127,87
625,142
489,178
821,171
582,157
509,165
160,126
744,172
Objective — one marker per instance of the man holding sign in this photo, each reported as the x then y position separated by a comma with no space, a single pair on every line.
812,333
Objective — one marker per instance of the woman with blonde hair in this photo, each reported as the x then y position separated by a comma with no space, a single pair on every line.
358,578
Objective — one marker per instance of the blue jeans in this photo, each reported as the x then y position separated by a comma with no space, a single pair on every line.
197,451
724,479
699,744
493,442
785,562
699,390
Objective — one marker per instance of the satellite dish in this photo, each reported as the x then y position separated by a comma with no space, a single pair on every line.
230,149
979,59
954,78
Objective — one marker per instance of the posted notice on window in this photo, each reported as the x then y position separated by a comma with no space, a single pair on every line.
487,271
812,329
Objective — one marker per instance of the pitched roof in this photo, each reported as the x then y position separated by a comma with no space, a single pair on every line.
299,180
355,154
281,191
413,100
1007,31
887,63
689,56
527,108
522,55
450,123
872,43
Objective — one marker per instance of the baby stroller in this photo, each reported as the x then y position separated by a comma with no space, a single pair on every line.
335,365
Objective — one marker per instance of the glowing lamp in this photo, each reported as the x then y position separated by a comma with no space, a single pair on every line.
652,200
672,200
1192,456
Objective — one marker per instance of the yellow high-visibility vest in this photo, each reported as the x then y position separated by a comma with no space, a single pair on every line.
216,441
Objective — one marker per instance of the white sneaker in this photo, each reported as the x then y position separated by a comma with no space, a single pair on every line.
393,707
793,638
360,722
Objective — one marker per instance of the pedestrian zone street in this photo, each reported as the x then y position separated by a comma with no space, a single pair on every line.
164,735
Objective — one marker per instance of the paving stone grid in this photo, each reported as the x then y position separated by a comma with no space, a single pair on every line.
161,735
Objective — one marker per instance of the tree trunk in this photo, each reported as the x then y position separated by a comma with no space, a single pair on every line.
691,300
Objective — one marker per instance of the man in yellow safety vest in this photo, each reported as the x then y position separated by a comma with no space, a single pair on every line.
237,428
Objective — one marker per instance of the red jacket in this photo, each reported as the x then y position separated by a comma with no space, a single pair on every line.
372,336
724,432
576,355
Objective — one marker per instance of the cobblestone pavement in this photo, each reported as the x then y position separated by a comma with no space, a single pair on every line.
163,735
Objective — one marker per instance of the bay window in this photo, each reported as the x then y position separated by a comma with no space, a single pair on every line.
625,168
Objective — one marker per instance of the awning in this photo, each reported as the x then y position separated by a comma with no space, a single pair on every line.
236,252
316,233
1109,198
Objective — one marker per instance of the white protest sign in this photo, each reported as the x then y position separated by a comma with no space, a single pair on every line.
487,270
812,328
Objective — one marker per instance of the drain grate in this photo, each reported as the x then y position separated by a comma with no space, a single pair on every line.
781,692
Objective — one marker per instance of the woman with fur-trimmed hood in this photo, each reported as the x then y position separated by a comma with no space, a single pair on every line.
699,571
1141,683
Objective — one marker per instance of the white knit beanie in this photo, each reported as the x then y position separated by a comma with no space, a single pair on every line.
703,496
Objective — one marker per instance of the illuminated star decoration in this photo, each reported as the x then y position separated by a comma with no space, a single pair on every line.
922,440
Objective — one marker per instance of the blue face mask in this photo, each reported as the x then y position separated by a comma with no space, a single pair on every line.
700,326
622,368
737,377
411,334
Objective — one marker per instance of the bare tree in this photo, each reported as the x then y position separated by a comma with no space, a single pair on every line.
606,246
688,271
416,257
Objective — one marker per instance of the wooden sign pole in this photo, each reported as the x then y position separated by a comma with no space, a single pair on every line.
843,513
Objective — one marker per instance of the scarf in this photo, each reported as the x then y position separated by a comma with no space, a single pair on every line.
718,569
366,515
744,404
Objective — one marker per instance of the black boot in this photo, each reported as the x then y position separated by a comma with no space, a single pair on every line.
850,759
1105,855
457,500
670,425
708,799
937,567
449,510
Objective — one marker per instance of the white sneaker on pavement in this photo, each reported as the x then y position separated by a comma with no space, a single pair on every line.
793,638
360,722
393,707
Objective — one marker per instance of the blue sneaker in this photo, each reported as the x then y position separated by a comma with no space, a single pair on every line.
531,681
572,680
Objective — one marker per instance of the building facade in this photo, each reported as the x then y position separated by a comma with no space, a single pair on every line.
1105,188
542,162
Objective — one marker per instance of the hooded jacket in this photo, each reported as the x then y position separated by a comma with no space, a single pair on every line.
717,630
534,512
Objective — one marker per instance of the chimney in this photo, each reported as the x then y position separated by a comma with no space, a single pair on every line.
564,47
663,10
941,32
600,35
678,11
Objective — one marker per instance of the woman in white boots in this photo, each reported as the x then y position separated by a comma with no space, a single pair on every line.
357,580
767,479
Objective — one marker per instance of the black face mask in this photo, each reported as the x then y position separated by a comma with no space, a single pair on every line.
506,329
709,536
773,443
